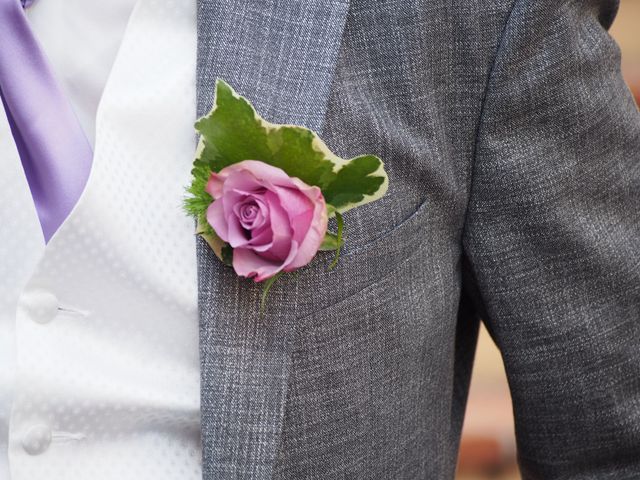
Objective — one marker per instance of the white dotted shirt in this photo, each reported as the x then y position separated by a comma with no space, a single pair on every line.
99,369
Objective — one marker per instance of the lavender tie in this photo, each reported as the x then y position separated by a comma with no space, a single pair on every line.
55,153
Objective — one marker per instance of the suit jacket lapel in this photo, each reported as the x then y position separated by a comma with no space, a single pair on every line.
281,55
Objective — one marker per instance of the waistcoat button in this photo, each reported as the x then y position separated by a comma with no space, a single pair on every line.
37,439
39,305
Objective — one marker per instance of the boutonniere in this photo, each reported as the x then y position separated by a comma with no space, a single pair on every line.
262,193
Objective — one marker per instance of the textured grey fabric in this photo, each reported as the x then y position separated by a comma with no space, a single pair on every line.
513,150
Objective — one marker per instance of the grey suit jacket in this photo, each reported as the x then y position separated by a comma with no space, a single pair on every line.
513,149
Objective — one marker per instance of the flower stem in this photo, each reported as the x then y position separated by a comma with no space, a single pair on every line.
265,290
340,222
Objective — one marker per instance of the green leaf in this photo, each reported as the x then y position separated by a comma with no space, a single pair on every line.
199,200
233,132
330,242
221,248
365,173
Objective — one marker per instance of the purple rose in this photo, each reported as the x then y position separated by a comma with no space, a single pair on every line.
272,221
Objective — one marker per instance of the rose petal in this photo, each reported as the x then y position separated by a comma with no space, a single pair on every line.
295,201
263,173
230,199
243,179
259,215
248,263
217,219
215,184
261,239
281,228
317,228
237,235
248,212
244,182
300,210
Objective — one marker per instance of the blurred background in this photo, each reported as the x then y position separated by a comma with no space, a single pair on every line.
487,449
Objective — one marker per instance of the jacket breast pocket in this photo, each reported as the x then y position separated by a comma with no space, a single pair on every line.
364,264
406,230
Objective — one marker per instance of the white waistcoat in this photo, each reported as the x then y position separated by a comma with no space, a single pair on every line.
99,363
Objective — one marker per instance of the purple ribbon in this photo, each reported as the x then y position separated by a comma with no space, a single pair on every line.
55,153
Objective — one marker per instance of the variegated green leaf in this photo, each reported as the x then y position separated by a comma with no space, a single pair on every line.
233,131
